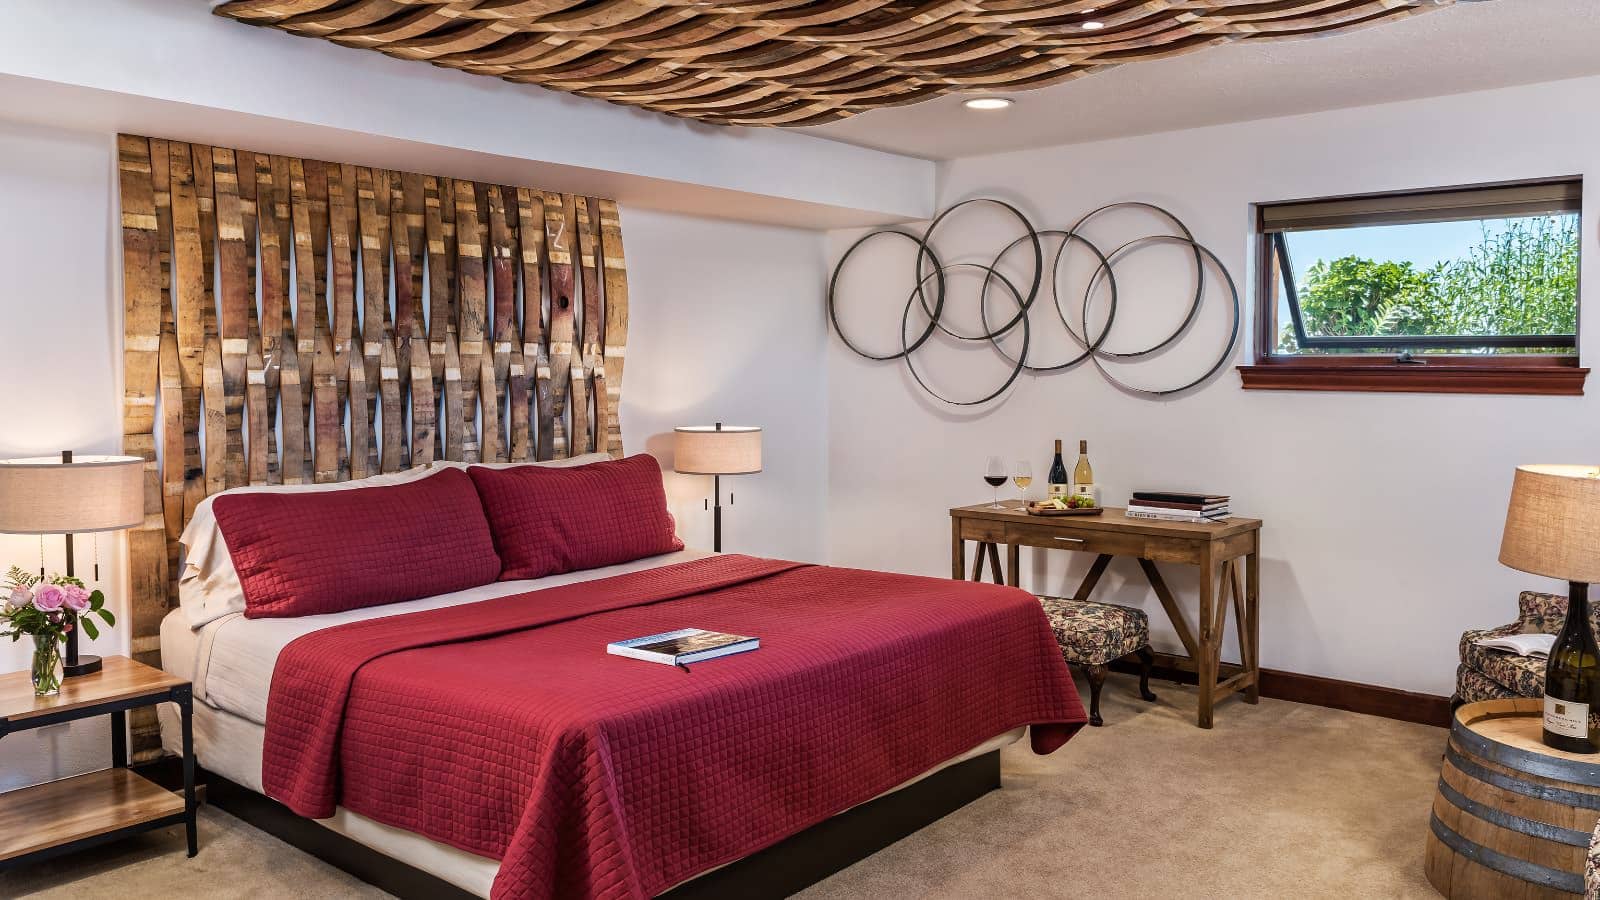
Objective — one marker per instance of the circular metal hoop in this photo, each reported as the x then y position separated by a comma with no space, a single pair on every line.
1017,366
1233,333
1038,267
833,289
1066,238
1199,279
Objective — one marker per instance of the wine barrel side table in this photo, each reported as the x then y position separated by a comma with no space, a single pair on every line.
1512,817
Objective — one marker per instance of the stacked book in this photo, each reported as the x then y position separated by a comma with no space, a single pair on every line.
1178,506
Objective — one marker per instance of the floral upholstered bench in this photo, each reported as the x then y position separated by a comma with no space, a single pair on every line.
1093,635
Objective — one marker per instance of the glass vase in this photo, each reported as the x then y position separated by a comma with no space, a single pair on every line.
46,665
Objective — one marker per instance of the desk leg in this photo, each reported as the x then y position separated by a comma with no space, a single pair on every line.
1252,610
1210,638
1169,603
1014,565
995,572
958,562
977,560
1092,577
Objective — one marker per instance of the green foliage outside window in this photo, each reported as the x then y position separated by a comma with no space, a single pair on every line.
1519,280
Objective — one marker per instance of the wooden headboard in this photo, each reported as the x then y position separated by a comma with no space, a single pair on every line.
290,321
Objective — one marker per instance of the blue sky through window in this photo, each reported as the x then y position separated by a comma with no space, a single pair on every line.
1423,244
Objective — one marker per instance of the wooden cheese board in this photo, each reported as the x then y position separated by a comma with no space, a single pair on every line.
1037,509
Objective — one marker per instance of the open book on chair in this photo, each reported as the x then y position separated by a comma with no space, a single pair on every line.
1521,644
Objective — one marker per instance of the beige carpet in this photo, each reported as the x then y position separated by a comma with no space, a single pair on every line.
1279,800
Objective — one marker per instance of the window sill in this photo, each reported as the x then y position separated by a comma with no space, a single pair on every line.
1539,378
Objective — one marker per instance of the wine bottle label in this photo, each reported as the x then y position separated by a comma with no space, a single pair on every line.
1058,490
1566,717
1084,488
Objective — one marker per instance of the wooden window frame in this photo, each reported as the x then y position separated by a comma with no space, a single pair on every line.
1538,374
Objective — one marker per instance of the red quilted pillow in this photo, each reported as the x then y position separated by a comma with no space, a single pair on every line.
301,554
547,521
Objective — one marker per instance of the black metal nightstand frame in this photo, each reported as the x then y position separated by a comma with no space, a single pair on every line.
183,696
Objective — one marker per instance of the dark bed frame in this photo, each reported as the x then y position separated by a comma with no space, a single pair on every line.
785,868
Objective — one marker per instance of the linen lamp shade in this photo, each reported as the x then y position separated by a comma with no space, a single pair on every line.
1553,523
716,450
43,495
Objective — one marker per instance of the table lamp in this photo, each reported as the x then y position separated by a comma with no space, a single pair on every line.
716,450
1553,529
45,495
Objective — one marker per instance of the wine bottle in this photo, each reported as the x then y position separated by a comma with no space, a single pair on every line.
1082,473
1571,679
1058,485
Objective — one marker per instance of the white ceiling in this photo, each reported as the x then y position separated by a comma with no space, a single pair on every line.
1466,47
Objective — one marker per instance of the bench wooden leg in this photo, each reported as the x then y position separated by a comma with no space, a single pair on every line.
1146,660
1097,678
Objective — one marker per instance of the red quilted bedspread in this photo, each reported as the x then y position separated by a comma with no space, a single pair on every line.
504,728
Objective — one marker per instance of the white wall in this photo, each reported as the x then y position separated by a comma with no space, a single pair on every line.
60,340
1382,512
724,325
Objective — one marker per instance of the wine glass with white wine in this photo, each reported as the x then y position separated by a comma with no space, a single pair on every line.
1022,476
994,475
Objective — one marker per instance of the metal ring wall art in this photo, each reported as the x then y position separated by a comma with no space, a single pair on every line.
1017,299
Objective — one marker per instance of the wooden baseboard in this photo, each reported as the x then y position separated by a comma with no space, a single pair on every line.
1371,699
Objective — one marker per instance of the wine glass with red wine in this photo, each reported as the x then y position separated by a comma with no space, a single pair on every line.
994,474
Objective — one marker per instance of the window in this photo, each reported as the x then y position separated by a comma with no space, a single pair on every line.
1458,290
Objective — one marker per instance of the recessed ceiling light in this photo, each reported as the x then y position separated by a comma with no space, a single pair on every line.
1093,26
987,103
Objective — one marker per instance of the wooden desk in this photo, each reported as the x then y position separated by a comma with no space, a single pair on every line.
1220,550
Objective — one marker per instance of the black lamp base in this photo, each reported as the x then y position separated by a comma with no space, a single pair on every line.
86,665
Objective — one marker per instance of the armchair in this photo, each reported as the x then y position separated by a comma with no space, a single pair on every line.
1486,674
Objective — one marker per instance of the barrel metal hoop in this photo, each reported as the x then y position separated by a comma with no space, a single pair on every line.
1569,836
1520,869
1525,760
1517,785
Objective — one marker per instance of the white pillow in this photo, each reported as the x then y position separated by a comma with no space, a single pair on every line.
209,588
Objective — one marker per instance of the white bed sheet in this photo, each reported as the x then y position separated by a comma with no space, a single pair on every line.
234,656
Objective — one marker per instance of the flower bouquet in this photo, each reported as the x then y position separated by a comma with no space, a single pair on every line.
47,609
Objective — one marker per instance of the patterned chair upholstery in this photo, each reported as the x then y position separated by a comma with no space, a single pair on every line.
1093,635
1486,674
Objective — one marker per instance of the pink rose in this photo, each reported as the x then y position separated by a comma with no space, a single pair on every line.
49,597
77,598
20,597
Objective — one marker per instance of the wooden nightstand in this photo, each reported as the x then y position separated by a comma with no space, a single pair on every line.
74,813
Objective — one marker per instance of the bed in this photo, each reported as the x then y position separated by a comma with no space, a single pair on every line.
518,760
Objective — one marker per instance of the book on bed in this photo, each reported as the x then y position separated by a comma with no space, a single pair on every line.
684,646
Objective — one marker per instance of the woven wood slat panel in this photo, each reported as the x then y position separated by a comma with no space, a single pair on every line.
141,351
558,215
799,62
352,326
608,374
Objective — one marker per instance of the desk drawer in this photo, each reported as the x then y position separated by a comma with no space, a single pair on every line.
1068,537
986,530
